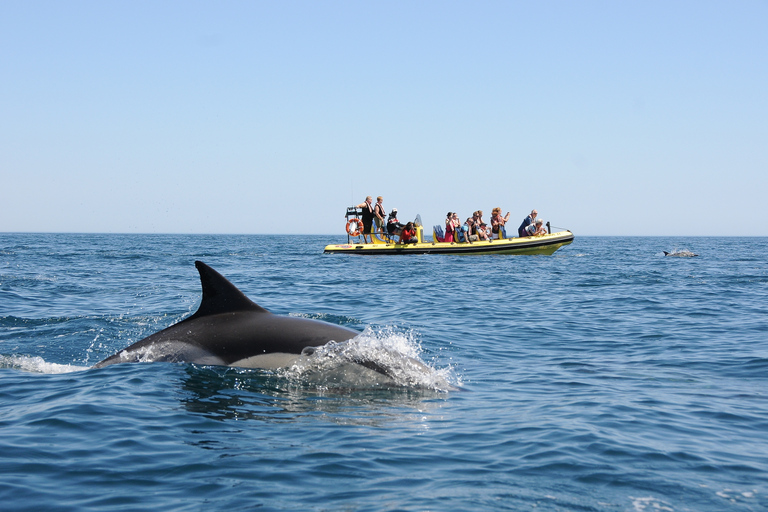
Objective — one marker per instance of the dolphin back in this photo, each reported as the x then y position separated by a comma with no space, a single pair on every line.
228,328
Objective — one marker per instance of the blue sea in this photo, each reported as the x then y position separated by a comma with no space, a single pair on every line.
606,377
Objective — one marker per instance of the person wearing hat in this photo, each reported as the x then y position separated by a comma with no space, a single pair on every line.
393,225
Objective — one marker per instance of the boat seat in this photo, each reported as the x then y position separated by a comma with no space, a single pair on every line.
437,231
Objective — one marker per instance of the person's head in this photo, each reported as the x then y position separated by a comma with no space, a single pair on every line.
534,213
368,199
379,199
409,226
470,221
393,213
539,222
479,213
497,211
450,215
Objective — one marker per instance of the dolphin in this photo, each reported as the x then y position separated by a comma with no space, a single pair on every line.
680,254
229,329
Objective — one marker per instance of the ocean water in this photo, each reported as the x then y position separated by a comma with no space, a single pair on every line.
606,377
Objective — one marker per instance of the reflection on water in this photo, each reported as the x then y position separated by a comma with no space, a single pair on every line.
223,393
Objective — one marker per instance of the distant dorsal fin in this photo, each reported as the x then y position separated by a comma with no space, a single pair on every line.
221,296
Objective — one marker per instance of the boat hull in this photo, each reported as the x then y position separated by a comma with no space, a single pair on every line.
541,244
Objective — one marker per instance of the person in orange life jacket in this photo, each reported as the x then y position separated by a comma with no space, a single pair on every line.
408,234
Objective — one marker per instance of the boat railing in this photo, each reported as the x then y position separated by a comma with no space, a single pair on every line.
379,235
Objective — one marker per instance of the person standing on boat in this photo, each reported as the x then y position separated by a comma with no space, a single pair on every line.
449,228
530,219
379,214
367,216
497,223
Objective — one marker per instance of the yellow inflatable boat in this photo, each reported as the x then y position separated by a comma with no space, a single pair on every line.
382,243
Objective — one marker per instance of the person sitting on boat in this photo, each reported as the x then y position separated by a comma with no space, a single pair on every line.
537,228
497,223
408,234
394,227
530,219
449,228
367,216
481,230
466,232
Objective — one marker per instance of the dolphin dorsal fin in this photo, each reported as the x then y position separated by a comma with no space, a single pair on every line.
221,296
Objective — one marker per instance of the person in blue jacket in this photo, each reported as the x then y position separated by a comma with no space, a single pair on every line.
530,219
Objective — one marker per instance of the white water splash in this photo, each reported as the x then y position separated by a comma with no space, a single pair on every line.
374,358
37,365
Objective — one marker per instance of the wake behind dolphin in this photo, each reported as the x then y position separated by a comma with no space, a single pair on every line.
229,329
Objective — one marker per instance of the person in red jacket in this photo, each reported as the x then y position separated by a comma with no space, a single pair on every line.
408,235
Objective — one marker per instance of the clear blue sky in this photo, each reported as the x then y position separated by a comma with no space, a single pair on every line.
609,117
